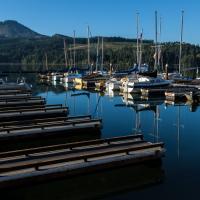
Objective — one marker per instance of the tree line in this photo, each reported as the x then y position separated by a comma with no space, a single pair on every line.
120,52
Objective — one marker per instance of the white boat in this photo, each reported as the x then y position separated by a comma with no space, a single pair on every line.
145,82
113,84
56,76
125,81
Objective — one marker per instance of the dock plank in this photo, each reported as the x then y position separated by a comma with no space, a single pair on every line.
53,162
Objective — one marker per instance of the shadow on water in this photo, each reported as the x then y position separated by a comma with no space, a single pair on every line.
95,185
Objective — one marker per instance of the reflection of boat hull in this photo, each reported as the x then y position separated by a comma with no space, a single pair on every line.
137,99
115,86
67,86
111,93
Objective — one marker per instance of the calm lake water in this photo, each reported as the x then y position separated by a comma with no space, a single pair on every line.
176,125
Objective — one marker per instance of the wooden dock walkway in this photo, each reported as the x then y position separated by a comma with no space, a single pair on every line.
32,113
21,102
14,92
181,93
26,117
44,120
43,130
35,165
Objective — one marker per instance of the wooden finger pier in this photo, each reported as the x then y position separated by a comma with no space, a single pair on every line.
175,93
22,167
26,118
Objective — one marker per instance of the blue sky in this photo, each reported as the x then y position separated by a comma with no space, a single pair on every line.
105,17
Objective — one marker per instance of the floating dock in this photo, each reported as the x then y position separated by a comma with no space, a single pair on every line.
100,184
21,102
14,92
32,113
27,118
181,93
48,129
29,166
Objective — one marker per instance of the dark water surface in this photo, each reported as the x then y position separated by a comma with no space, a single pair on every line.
177,126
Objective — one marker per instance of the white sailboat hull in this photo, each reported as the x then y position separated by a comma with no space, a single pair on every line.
131,87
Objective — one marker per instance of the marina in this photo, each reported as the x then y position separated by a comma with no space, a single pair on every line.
72,136
47,138
99,101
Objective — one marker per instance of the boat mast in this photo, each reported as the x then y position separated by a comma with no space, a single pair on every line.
102,56
156,41
74,49
46,61
140,50
160,60
65,52
88,29
181,40
159,46
97,59
137,18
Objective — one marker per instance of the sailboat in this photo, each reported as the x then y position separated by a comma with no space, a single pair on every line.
141,81
70,76
147,82
177,76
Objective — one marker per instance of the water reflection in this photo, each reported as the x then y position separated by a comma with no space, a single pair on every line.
174,123
95,185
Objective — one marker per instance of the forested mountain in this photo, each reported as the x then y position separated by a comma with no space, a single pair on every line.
16,47
13,29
